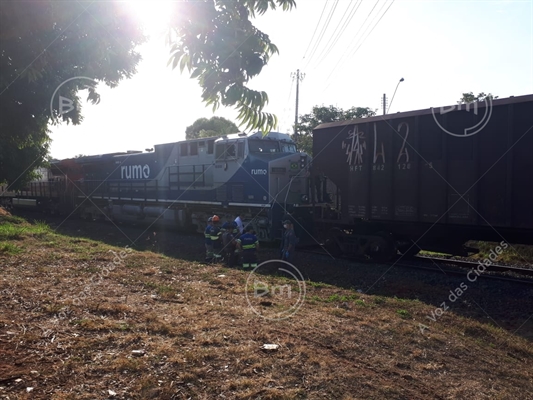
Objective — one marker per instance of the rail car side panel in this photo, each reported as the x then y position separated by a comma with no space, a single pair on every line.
406,168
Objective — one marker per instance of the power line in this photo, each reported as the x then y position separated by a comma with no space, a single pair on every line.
355,36
316,28
382,15
364,39
321,35
287,110
290,91
349,16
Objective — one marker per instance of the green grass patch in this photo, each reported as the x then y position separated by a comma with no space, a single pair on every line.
17,230
336,298
9,248
12,232
316,284
403,314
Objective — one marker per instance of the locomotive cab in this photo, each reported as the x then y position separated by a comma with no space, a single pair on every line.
263,171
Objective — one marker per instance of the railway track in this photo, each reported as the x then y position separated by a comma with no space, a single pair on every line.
471,264
460,267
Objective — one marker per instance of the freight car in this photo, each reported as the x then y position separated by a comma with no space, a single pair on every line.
181,184
429,179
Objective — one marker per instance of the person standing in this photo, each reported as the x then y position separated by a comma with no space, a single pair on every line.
208,242
249,244
239,223
216,240
288,242
230,244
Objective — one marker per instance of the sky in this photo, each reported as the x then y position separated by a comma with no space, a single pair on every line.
441,49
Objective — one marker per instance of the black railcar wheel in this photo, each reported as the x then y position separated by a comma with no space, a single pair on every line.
381,247
331,244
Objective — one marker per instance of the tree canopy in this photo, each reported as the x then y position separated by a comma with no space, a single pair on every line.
45,45
471,97
320,115
214,126
221,48
42,45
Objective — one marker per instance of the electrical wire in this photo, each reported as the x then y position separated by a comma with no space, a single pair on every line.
355,36
376,24
287,109
316,28
363,40
321,35
349,14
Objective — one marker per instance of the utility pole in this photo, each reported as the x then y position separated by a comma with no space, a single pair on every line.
299,77
384,101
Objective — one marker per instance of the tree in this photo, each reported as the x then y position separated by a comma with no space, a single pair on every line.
50,42
217,43
214,126
42,45
470,97
320,115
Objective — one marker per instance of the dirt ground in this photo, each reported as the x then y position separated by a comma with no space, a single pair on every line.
82,316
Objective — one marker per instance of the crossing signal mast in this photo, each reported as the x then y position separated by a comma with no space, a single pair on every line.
299,77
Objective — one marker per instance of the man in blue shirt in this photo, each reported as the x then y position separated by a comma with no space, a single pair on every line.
249,244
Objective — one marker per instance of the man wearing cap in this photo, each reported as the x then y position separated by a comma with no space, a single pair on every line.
249,244
288,242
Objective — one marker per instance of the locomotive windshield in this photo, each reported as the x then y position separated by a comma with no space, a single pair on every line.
263,146
288,148
270,146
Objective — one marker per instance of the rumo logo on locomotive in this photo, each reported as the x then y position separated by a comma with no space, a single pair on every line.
135,172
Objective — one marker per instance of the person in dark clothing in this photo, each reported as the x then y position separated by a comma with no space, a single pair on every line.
249,245
208,242
288,242
215,235
230,244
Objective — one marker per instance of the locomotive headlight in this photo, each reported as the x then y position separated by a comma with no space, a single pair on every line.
303,161
304,198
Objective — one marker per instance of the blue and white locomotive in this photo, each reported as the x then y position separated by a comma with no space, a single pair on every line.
262,178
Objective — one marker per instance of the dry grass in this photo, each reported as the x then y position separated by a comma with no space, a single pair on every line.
70,335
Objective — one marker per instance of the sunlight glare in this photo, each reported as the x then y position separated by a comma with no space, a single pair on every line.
154,15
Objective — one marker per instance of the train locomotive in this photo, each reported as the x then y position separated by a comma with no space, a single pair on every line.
181,184
430,179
